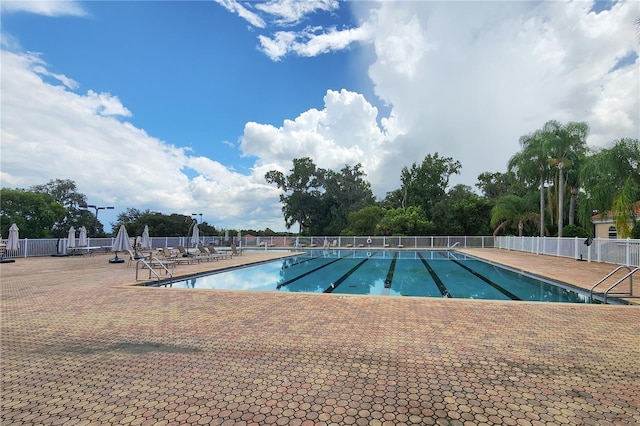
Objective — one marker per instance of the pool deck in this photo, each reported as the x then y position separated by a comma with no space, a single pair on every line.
81,345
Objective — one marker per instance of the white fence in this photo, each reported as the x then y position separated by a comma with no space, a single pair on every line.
52,246
616,251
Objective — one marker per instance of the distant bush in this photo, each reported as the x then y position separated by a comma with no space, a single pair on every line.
635,232
574,231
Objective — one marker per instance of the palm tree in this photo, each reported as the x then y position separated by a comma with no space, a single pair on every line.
611,180
565,144
510,210
531,166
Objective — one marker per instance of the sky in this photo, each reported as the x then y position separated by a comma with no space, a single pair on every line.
183,106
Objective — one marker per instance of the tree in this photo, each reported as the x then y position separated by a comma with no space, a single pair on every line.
425,184
344,193
65,193
408,221
495,185
611,181
34,213
511,210
301,192
462,212
364,221
320,200
531,167
564,144
160,225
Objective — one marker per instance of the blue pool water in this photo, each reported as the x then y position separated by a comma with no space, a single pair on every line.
384,272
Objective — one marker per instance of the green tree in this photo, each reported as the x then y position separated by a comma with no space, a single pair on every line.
344,193
301,192
512,212
364,221
611,181
408,221
34,213
65,193
425,184
495,185
565,144
462,212
531,167
160,225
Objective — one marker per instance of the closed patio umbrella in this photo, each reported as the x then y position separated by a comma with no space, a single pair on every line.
12,243
146,240
121,243
195,236
71,239
82,239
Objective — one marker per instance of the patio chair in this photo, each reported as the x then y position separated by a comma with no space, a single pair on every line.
206,254
168,255
221,255
234,251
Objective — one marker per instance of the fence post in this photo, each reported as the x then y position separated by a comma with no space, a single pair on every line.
628,250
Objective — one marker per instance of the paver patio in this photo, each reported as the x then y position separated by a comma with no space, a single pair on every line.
79,345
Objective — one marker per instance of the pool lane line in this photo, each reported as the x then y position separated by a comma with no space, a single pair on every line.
483,278
311,271
340,280
392,268
443,289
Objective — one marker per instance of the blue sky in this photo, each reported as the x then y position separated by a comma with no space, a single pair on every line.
183,106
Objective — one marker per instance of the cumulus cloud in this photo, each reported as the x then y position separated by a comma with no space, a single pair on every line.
44,7
345,131
82,137
476,76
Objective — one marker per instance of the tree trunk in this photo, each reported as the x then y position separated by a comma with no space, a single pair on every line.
542,206
560,198
572,204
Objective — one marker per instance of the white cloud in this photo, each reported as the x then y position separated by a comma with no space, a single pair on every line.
44,7
249,16
344,132
311,41
481,74
50,132
289,12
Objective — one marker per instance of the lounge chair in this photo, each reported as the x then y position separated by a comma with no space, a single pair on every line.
235,251
205,254
194,257
168,255
221,255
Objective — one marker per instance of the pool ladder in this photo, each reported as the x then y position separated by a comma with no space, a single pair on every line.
149,265
629,275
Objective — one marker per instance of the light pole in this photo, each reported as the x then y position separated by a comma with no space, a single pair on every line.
198,214
97,209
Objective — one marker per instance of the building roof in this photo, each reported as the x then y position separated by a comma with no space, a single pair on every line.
608,217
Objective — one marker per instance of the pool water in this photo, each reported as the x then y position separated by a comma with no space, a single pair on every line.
428,273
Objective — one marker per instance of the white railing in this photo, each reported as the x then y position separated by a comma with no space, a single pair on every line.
53,246
615,251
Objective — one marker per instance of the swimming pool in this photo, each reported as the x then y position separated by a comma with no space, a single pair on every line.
428,273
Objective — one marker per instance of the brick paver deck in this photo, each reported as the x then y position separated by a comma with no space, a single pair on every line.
80,346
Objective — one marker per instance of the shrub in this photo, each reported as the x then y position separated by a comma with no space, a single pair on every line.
574,231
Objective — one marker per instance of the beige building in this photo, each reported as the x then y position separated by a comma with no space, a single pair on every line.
605,226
